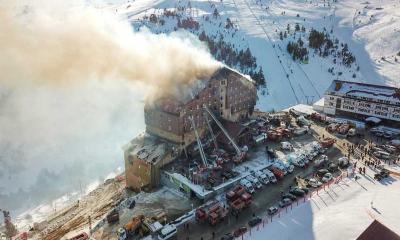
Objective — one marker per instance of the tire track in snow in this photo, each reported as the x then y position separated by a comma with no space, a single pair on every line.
277,24
270,41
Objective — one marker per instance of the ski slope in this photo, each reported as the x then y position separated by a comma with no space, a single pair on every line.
259,23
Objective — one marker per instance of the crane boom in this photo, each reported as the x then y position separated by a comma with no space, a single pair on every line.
237,149
202,154
212,132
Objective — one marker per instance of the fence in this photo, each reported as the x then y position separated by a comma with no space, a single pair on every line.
269,219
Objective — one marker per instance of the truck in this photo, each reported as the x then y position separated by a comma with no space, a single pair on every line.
277,172
238,199
169,231
327,142
131,228
213,214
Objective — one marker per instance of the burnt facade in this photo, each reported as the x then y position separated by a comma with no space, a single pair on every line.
228,94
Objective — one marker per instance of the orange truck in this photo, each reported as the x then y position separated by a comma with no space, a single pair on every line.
216,213
238,199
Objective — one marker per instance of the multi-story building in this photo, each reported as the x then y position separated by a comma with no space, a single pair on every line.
228,94
361,100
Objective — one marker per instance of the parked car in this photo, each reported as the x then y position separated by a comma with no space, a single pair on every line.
321,161
312,182
290,196
247,185
239,232
228,236
270,175
262,177
322,172
285,202
254,221
281,167
297,192
327,177
382,154
130,203
254,181
306,190
332,167
272,210
389,148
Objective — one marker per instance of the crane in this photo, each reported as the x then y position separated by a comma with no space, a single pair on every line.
211,132
239,153
202,154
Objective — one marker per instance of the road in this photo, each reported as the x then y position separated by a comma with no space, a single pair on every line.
263,199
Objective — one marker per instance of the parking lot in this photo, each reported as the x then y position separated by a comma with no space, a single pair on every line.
264,198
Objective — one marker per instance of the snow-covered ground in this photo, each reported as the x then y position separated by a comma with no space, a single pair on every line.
343,211
371,30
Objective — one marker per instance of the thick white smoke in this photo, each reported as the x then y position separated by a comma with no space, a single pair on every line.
72,84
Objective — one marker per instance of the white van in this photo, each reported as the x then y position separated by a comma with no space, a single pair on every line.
254,181
169,231
261,177
247,185
270,175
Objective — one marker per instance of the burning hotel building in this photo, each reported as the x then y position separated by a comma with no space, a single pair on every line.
171,122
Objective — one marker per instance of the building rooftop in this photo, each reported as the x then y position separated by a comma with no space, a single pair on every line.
171,103
149,148
386,94
378,231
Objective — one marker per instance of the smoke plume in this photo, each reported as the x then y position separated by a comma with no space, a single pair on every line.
72,83
63,46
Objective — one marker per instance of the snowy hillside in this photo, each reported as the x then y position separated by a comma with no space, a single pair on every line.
369,30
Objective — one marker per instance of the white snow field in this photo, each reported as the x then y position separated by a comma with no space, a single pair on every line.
371,29
343,212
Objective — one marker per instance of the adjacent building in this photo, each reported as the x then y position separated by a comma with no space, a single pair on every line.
361,101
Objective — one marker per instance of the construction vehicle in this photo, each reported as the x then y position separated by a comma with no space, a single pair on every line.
327,142
240,153
214,214
238,199
131,228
